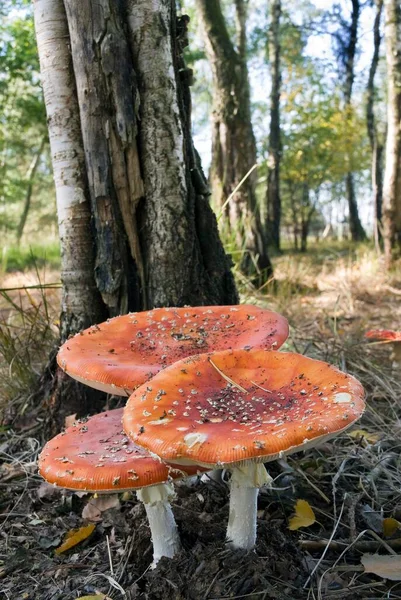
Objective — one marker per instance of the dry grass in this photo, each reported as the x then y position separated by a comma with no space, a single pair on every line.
331,302
353,483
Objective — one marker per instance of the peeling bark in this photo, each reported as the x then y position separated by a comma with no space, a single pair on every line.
392,174
184,261
233,142
107,97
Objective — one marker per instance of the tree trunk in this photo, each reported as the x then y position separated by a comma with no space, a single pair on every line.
233,143
273,181
30,178
357,231
306,216
81,303
148,236
392,174
375,142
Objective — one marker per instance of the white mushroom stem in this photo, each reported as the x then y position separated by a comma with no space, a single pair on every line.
215,475
163,528
396,355
245,483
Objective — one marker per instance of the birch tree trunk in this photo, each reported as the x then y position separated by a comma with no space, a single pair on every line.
273,181
81,304
376,143
233,141
135,224
392,173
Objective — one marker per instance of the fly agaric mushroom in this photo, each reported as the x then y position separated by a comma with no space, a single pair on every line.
387,336
124,352
239,409
95,455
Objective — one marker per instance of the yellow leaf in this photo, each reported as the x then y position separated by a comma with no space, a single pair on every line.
74,537
96,597
387,566
390,526
372,438
304,516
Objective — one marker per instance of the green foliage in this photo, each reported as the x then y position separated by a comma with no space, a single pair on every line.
22,121
23,258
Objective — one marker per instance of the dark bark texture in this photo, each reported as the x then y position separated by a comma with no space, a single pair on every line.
348,50
154,235
275,149
233,142
149,209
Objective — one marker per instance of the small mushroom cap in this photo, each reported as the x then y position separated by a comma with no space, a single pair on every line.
384,334
95,455
229,407
119,355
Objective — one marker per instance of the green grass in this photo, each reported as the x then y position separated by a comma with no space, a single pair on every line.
24,258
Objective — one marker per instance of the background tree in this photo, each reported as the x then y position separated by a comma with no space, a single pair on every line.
346,38
136,227
273,178
392,174
233,141
375,139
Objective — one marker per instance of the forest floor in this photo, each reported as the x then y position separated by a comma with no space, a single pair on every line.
352,483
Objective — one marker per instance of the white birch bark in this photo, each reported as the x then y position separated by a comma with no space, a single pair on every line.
392,173
162,145
80,301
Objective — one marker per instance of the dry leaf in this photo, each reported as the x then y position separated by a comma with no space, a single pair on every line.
47,490
70,420
371,438
390,526
304,516
93,510
96,597
387,566
74,537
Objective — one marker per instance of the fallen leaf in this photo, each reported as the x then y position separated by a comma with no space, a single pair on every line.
70,420
371,438
304,516
94,508
47,490
36,522
74,537
96,597
387,566
390,526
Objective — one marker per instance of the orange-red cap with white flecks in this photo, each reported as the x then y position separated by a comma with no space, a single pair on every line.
230,407
387,335
95,455
124,352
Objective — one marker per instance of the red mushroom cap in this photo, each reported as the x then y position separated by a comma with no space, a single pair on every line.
124,352
95,455
229,407
384,334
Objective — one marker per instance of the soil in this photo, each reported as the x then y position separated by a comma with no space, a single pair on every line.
37,517
115,559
